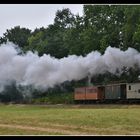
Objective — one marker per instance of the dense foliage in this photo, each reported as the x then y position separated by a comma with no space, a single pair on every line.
100,26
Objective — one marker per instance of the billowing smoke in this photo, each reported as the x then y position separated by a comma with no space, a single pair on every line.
47,71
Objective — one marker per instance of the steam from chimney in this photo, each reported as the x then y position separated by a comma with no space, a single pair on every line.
47,71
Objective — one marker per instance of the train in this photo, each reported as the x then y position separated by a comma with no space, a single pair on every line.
109,93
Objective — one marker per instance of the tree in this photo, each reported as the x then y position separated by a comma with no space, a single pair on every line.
103,26
17,35
136,38
131,27
56,33
73,37
64,18
11,94
37,42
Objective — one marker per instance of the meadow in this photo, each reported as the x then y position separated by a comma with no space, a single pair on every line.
69,119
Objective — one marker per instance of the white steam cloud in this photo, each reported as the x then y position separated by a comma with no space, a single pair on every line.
47,71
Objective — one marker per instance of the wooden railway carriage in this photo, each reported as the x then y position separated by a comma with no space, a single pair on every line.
94,93
115,91
133,91
108,93
79,93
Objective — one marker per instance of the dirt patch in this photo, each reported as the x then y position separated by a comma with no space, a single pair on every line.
46,129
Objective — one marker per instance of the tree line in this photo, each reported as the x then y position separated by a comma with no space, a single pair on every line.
100,26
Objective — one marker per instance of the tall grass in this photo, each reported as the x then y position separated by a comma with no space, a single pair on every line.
70,119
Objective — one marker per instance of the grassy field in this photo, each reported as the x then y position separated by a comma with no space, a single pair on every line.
69,119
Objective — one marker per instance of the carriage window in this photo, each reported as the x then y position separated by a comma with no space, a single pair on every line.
139,91
129,87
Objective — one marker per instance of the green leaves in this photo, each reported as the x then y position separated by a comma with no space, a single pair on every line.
17,35
37,43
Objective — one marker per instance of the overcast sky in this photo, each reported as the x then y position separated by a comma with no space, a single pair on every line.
32,16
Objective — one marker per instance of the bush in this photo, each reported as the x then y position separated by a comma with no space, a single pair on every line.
62,98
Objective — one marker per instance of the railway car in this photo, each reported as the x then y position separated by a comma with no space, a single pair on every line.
133,92
115,92
80,94
111,93
89,94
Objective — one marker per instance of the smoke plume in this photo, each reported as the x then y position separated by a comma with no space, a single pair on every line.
47,71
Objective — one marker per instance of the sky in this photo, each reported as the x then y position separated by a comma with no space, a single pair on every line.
32,16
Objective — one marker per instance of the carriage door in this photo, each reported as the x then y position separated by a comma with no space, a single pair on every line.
123,91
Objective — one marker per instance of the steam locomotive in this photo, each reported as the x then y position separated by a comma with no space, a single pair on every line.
110,93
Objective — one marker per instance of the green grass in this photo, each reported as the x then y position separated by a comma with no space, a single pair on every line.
70,119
